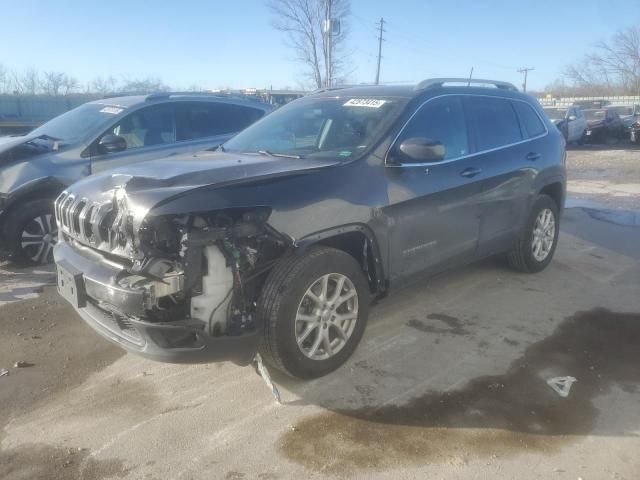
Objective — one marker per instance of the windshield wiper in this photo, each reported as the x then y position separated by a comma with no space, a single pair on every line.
267,153
217,148
44,136
55,141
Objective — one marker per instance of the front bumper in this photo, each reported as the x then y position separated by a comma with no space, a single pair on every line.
88,282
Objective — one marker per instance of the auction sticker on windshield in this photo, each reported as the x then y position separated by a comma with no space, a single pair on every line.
113,110
365,102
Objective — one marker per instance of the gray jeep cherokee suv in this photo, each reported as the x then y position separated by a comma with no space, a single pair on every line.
99,135
279,239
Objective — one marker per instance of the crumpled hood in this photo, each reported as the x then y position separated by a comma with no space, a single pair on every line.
146,184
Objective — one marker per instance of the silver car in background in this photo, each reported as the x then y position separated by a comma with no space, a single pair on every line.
96,136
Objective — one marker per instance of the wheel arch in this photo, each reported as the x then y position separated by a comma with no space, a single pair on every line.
358,241
556,191
43,188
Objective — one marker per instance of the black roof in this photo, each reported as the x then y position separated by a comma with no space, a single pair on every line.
440,85
134,100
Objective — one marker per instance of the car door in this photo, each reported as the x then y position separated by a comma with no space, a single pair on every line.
581,123
149,133
507,162
573,124
433,208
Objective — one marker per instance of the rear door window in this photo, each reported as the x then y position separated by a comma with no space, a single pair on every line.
529,119
495,122
209,119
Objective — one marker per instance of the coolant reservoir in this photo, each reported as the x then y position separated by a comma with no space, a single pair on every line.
211,306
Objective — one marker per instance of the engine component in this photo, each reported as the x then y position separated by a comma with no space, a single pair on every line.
217,288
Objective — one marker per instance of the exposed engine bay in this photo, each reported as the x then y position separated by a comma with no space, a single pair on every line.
208,267
204,267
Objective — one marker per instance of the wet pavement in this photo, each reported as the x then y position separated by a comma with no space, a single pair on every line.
450,380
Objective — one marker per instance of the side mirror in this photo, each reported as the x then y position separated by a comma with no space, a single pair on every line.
112,143
572,118
419,149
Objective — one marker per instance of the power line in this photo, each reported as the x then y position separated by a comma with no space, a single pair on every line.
525,70
381,31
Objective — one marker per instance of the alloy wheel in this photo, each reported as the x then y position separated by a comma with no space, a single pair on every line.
326,316
544,231
38,238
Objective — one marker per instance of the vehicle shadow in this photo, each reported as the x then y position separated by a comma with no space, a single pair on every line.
445,383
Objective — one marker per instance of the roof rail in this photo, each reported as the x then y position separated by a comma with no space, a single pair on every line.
329,89
439,82
229,95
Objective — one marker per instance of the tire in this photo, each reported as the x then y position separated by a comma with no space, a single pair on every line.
31,232
285,297
522,256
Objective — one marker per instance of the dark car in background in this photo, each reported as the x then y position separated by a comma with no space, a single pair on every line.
96,136
279,239
629,114
604,124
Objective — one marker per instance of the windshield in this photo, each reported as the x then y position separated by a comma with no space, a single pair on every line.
556,113
76,124
319,127
595,114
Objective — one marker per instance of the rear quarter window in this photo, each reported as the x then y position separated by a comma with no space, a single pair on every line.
495,122
529,119
208,119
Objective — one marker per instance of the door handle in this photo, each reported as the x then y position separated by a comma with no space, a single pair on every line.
533,156
470,172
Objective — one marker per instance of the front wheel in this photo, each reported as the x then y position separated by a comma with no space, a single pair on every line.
314,308
31,233
537,242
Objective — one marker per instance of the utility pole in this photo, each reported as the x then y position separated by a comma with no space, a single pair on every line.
328,34
382,30
525,70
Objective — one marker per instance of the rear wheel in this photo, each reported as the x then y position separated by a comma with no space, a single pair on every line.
31,232
314,307
536,245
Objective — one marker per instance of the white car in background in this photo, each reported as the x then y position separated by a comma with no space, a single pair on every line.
570,121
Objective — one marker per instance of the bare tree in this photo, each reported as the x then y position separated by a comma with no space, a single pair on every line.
302,21
103,86
52,82
613,67
27,82
141,86
69,84
5,80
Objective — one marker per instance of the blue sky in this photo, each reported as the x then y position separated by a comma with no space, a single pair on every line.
220,43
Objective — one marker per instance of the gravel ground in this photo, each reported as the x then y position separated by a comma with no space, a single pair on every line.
608,176
448,383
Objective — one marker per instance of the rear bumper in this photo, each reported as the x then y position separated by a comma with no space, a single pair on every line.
116,313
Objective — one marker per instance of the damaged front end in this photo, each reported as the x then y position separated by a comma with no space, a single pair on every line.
177,288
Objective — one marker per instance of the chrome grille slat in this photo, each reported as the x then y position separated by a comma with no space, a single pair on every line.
65,211
75,215
82,219
89,222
